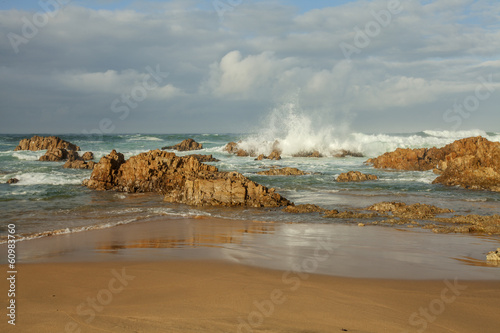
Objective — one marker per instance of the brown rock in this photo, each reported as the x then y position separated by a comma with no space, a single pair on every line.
41,143
345,153
283,172
88,156
355,176
313,153
300,209
180,179
242,153
79,164
494,256
204,158
13,181
261,157
186,145
408,159
231,147
55,155
275,155
400,209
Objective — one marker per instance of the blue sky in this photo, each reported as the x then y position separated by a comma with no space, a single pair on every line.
417,70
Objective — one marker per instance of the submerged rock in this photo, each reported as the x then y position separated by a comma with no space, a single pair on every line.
313,153
13,181
186,145
401,209
181,180
50,142
300,209
355,176
345,153
287,171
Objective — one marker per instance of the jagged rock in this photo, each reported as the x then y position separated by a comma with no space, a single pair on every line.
242,153
181,180
49,142
231,147
355,176
186,145
13,181
204,158
54,155
313,153
472,163
275,155
287,171
79,164
88,156
494,256
401,209
345,153
300,209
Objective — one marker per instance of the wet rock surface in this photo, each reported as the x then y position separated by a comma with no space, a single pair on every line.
287,171
355,176
36,143
186,145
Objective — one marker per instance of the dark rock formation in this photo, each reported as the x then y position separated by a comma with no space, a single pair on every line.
88,156
300,209
13,181
345,153
275,155
313,153
401,209
355,176
180,179
283,172
186,145
49,142
204,158
79,164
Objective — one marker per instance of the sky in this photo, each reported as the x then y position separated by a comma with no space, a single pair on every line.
223,66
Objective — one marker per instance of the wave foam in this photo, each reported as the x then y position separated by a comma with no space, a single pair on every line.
54,178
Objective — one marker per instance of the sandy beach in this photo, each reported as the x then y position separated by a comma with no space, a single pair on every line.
202,275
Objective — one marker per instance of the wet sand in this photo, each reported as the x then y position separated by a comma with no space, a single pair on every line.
212,275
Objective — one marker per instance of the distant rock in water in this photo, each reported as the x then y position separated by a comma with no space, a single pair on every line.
313,153
13,181
204,158
472,163
181,180
275,155
186,145
355,176
283,172
49,142
87,156
301,209
345,153
79,164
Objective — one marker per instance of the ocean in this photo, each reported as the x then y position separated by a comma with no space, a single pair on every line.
49,199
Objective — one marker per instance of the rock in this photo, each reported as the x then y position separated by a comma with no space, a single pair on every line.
400,209
186,145
283,172
275,155
472,163
13,181
181,180
55,155
49,142
313,153
242,153
355,176
300,209
231,147
494,256
88,156
204,158
79,164
345,153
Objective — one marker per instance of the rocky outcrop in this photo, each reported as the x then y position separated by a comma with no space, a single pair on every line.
301,209
204,158
346,153
313,153
400,209
494,257
472,163
275,155
355,176
79,164
283,172
186,145
409,159
181,180
13,181
87,156
49,142
59,154
231,147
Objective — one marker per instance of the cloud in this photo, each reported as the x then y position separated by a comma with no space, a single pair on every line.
429,56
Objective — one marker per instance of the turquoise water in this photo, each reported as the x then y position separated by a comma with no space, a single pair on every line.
49,198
